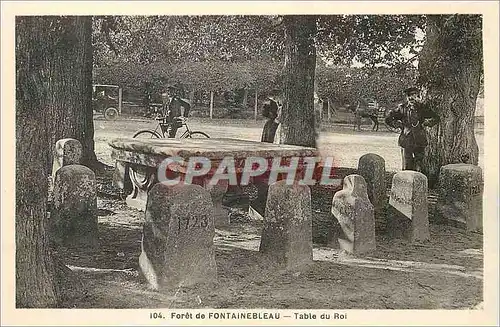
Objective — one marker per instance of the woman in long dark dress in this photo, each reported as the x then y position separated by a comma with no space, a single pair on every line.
270,111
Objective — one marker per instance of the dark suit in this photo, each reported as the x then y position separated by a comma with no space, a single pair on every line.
173,110
412,119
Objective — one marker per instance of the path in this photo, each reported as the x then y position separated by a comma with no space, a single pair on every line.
341,142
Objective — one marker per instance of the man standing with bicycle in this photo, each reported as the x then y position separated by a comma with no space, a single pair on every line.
175,109
411,117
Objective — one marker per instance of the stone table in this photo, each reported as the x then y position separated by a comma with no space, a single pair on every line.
137,162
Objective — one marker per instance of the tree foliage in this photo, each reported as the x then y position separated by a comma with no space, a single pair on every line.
369,39
171,39
214,75
345,85
456,40
207,51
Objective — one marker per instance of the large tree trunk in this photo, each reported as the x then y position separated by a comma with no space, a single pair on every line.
71,86
450,67
35,274
53,100
298,122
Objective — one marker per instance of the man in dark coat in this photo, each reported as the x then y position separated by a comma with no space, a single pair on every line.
411,117
175,108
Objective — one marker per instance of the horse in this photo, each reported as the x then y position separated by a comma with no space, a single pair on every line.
365,109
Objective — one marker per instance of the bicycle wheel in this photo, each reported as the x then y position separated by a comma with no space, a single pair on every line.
197,135
146,134
139,176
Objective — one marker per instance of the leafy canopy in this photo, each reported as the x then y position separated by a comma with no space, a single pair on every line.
242,51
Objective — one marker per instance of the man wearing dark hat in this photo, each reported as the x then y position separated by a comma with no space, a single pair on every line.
411,117
175,109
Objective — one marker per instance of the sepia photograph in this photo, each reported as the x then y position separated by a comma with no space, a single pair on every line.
249,164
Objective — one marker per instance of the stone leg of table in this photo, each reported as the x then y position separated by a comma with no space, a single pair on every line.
141,184
121,177
221,215
258,205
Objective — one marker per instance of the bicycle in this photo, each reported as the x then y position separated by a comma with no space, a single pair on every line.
139,176
164,127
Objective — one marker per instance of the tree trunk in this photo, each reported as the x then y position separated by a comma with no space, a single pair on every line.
321,112
71,87
211,104
450,67
245,98
86,130
35,274
256,105
191,97
53,101
298,116
329,109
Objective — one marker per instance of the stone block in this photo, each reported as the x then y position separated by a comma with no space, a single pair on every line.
409,216
73,219
355,214
177,244
67,152
217,191
287,232
460,196
372,167
121,177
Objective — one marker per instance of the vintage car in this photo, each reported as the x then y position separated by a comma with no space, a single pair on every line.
107,100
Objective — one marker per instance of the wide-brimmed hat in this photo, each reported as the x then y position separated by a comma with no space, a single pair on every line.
411,90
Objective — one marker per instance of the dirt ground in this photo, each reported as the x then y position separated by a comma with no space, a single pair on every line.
444,273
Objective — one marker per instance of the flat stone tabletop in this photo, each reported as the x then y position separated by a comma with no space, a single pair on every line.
212,148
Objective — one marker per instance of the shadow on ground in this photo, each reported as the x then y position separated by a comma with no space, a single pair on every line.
393,277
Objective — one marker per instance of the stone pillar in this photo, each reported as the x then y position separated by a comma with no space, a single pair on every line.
460,197
287,232
73,219
372,167
355,214
177,243
142,180
67,152
257,207
408,200
121,177
221,215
